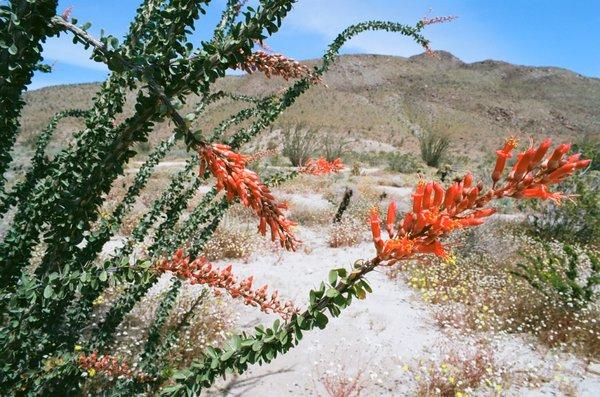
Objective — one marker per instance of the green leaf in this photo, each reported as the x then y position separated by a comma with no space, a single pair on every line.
48,291
103,276
321,320
12,50
332,293
333,276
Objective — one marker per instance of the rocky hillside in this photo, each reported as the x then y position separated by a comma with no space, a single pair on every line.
390,99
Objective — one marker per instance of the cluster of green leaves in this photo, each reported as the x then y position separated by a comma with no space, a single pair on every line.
573,221
563,276
47,302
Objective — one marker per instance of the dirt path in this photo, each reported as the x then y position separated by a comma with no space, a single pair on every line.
382,334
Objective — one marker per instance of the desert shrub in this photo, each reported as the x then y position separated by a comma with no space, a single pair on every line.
477,290
201,319
569,277
589,149
346,233
572,221
343,384
232,240
434,147
356,169
405,163
335,145
457,372
310,215
299,144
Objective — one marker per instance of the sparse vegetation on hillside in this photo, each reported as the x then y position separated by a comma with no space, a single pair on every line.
477,102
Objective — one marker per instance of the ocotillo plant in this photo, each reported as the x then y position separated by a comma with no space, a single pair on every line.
48,338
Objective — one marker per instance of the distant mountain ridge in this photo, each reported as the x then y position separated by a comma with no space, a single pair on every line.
391,99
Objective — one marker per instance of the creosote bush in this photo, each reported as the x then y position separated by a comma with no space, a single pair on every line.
51,341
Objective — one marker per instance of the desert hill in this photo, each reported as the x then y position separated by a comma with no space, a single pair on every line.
388,99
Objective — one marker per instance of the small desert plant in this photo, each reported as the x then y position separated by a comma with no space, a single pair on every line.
572,221
232,241
457,372
590,149
356,169
405,163
434,146
342,384
569,277
346,233
335,145
299,144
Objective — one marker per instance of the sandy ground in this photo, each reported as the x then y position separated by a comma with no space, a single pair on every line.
382,336
392,328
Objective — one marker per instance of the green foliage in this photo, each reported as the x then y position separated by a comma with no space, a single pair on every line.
334,145
405,163
48,303
589,149
434,146
573,221
569,277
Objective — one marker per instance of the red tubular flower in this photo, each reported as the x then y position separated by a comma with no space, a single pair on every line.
541,151
229,168
391,218
418,197
554,160
523,164
200,271
541,192
376,229
437,212
501,156
321,166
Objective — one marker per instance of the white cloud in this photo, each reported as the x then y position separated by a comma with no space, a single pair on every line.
61,50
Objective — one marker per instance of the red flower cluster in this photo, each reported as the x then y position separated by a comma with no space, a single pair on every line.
277,65
321,166
108,366
200,271
229,168
437,211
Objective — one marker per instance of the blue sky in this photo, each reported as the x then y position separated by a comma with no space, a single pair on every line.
528,32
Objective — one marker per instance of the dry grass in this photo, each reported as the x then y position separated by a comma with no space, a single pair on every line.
347,233
457,372
233,240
